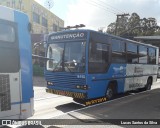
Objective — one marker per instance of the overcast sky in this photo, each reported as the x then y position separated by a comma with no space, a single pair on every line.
100,13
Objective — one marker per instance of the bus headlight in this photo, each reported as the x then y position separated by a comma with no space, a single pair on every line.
85,87
50,83
78,86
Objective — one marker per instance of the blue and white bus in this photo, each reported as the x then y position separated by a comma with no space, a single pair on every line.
93,66
16,88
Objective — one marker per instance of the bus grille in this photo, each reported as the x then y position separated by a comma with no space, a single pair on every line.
65,80
5,98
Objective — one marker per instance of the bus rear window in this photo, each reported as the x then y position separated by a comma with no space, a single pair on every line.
7,33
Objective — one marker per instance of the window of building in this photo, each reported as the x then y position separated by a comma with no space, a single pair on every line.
55,28
44,22
118,51
143,57
36,17
33,7
132,53
8,4
152,56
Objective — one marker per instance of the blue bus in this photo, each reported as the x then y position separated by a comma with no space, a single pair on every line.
16,88
91,66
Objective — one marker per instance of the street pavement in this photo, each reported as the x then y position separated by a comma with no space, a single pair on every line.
39,85
144,105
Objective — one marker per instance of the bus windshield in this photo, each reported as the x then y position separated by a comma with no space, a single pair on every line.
67,57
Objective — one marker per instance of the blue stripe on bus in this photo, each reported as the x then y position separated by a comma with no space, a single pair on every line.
25,56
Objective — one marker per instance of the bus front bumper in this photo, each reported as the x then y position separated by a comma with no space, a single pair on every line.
78,95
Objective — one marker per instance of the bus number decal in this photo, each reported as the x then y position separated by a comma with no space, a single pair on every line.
95,101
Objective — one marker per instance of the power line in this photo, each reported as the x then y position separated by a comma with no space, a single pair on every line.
109,5
112,9
101,7
106,6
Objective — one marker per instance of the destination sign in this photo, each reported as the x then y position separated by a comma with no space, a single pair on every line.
68,36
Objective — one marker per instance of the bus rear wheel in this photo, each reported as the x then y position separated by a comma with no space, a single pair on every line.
110,92
149,84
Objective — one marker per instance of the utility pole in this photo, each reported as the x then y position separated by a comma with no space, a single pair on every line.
120,15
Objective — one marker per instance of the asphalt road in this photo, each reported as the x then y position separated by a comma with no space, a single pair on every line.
136,110
53,105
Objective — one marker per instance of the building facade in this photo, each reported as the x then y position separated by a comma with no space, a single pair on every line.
43,21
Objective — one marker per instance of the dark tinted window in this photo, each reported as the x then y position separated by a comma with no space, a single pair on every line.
143,57
152,56
132,55
7,33
132,47
118,51
9,52
9,60
98,57
118,46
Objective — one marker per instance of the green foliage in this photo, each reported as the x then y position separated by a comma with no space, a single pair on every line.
37,70
134,26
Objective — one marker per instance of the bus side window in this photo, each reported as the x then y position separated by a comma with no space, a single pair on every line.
152,56
98,57
143,58
132,53
118,51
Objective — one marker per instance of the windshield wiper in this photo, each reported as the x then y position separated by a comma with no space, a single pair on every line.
57,65
67,67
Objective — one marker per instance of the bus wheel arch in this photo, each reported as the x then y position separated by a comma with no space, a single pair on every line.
111,90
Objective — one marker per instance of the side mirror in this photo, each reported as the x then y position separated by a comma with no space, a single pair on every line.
45,44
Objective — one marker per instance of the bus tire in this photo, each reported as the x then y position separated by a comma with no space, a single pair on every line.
149,84
110,92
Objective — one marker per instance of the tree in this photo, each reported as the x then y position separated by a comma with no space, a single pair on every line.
134,26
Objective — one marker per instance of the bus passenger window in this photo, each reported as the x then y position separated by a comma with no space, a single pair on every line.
143,55
98,57
152,56
118,51
132,54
